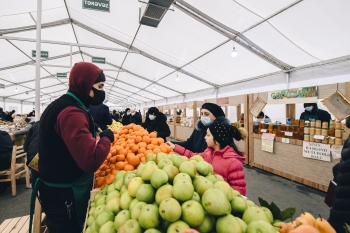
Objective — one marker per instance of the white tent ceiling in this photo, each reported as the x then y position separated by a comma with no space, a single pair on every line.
193,43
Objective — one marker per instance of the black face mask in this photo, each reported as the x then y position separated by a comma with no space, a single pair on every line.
99,97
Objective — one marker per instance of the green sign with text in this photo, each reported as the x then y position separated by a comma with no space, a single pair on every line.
61,75
100,60
44,54
2,86
98,5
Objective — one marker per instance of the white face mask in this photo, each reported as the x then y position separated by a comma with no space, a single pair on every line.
309,109
128,113
151,117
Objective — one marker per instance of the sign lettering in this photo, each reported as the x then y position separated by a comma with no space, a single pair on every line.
61,75
317,151
2,86
222,101
44,54
100,60
98,5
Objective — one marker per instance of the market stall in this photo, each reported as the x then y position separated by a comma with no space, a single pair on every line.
169,111
294,152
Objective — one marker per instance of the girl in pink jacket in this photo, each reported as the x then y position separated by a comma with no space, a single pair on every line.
222,153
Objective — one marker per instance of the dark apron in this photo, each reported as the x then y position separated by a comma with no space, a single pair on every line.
81,188
309,117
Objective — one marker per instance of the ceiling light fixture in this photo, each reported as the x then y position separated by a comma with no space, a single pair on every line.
234,51
177,76
16,89
154,87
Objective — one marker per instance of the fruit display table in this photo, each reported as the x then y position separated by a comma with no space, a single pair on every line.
18,140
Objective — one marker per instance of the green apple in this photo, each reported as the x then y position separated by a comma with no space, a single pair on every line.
178,160
268,213
113,205
104,190
91,211
260,226
99,209
135,212
93,227
152,230
177,227
182,176
133,203
196,197
192,213
163,193
225,188
238,206
194,162
164,162
250,203
197,158
207,225
102,218
118,184
215,202
228,224
196,179
119,175
90,220
107,227
92,204
139,169
160,156
128,177
275,224
123,189
121,218
88,230
242,223
235,193
148,170
158,178
130,226
203,168
183,190
254,214
171,171
203,185
188,168
112,194
151,157
125,200
149,216
110,188
98,195
145,193
101,200
212,178
170,210
134,185
217,176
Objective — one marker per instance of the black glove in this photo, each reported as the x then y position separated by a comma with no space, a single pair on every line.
108,133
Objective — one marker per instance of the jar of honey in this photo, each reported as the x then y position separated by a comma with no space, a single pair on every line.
296,122
318,124
325,125
301,123
313,123
307,137
312,131
306,130
307,124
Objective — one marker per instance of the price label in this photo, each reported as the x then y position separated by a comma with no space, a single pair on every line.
285,140
263,130
290,134
319,137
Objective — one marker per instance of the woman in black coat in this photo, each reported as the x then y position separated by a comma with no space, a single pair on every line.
156,122
126,117
340,212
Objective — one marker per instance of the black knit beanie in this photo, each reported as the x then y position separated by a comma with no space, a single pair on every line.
215,109
101,78
224,134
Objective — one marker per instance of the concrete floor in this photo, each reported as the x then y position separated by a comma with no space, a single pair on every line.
284,193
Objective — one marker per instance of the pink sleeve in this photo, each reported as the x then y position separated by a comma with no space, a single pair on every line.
73,127
235,177
182,151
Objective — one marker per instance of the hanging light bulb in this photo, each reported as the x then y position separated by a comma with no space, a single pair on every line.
234,51
177,77
143,94
16,89
154,87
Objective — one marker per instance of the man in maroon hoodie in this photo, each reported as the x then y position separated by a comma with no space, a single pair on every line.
68,153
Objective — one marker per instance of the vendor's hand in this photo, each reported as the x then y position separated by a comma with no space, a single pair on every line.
172,146
108,133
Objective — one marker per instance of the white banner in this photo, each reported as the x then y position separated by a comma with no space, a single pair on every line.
317,151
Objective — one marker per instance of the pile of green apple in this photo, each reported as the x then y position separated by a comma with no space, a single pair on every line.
171,193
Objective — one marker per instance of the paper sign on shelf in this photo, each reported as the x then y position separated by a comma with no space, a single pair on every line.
336,151
285,140
320,137
290,134
267,142
317,151
263,130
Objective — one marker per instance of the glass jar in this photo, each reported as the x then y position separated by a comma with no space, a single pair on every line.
296,129
256,128
307,124
287,128
296,122
270,127
313,123
307,137
283,127
301,123
331,131
301,136
318,124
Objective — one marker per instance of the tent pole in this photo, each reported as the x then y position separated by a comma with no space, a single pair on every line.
70,58
288,80
38,58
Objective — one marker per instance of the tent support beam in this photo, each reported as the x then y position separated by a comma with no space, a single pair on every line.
38,60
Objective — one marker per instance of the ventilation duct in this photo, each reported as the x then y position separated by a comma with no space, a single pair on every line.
152,13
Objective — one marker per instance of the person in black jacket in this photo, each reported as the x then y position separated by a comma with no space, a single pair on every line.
101,116
312,112
2,114
156,122
209,113
135,117
6,145
115,115
126,117
340,212
31,148
9,116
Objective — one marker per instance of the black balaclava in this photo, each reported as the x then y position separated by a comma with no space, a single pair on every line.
99,96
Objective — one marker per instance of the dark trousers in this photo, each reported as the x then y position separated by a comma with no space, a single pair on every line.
53,202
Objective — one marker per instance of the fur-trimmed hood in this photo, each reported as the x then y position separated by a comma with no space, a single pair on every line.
220,119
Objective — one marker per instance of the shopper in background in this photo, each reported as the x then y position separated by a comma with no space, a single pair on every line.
31,148
101,116
2,114
156,123
340,212
209,113
69,154
222,153
9,117
32,113
6,146
263,117
135,117
25,129
126,117
312,112
115,115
